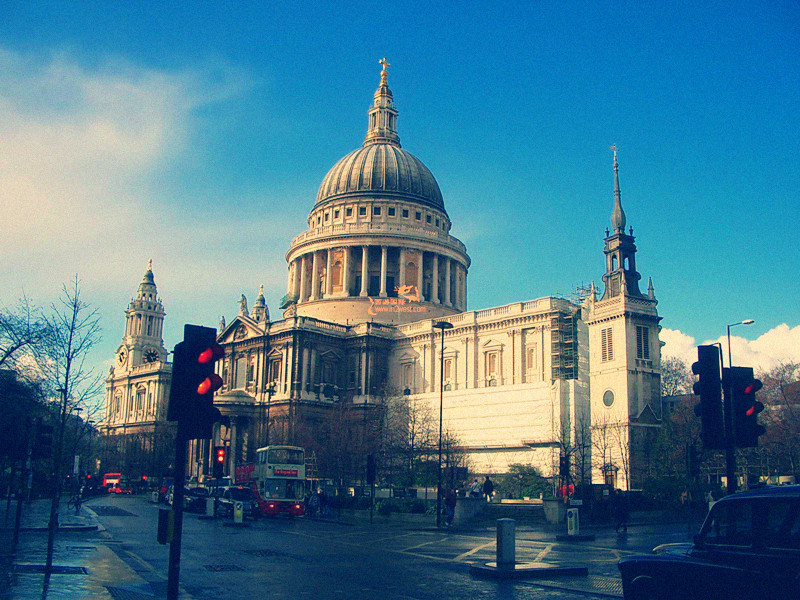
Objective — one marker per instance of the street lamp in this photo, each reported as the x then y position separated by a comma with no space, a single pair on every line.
443,325
745,322
730,456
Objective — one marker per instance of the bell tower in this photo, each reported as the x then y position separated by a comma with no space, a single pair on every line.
624,356
144,322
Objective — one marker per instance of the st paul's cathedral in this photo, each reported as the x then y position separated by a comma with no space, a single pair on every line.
375,314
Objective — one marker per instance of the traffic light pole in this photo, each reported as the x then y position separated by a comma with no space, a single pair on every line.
173,576
730,450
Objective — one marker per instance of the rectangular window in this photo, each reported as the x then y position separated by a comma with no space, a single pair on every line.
491,368
418,216
376,210
437,222
428,219
391,211
349,211
530,359
326,217
448,369
362,210
607,343
643,342
405,213
336,214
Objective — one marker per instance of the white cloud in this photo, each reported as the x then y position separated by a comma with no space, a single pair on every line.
77,148
780,344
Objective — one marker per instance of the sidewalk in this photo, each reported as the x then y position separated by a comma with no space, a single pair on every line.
84,565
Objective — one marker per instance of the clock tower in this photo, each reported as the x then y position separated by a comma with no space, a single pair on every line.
142,342
137,388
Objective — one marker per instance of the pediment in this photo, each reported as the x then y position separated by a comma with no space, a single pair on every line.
241,328
491,344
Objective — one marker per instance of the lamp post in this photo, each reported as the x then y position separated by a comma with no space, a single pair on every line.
443,325
730,457
745,322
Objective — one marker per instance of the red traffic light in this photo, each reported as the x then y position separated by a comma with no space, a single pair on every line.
210,384
220,454
211,354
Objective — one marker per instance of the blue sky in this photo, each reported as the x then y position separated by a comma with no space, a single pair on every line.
196,134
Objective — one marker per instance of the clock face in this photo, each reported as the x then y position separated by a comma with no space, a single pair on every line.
150,355
122,356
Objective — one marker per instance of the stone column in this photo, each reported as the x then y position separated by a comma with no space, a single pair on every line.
304,356
447,299
302,291
364,269
315,276
346,272
401,276
435,279
232,449
329,274
384,252
290,278
419,275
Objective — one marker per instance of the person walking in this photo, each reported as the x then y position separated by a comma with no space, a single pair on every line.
488,489
450,506
620,511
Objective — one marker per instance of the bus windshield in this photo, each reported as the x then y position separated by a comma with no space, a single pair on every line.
283,488
285,456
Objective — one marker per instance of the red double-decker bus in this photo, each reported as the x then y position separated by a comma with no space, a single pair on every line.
278,477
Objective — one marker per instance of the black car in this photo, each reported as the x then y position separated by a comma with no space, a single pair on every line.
748,548
194,499
229,495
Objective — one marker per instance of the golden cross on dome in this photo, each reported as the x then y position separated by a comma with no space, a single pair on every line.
384,63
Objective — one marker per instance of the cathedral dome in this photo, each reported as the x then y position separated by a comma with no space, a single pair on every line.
381,170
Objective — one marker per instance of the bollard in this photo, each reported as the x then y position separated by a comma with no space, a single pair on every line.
210,507
238,512
506,543
573,521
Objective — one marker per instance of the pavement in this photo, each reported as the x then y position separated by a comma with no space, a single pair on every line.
85,564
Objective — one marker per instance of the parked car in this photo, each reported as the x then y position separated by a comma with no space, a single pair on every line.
748,547
194,499
229,495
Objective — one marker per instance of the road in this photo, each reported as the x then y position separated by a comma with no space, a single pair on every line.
304,558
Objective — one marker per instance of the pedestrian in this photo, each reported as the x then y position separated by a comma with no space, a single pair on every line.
488,489
450,506
620,511
475,490
710,499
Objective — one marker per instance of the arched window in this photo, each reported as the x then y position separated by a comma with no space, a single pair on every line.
614,263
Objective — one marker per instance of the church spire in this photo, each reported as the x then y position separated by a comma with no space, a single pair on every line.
618,215
382,114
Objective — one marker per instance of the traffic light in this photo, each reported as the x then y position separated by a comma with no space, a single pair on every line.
219,462
745,407
563,466
191,395
708,387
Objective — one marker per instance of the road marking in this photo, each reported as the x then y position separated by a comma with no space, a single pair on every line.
461,557
544,552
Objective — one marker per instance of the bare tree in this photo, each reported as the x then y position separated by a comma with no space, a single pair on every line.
22,330
72,331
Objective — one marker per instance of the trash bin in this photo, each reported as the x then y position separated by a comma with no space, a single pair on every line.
573,521
154,496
